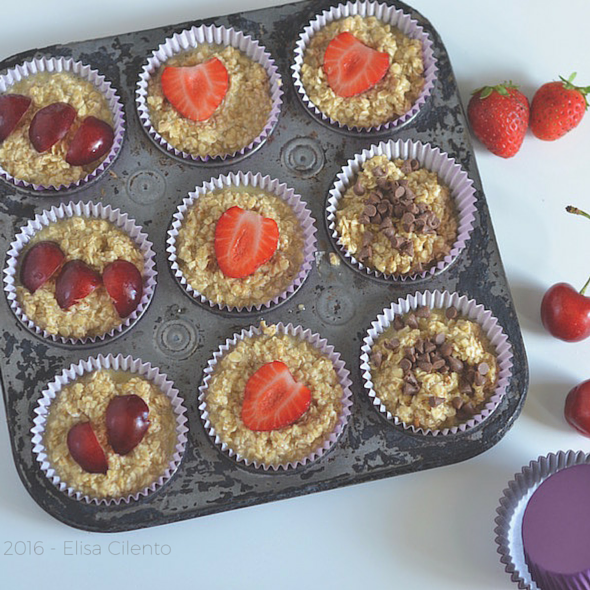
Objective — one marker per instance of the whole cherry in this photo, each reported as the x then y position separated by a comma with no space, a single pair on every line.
577,407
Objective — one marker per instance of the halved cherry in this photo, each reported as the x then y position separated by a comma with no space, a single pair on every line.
75,281
50,124
12,109
92,141
127,422
85,448
40,263
124,284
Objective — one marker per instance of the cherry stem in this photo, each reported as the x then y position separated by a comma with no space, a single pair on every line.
583,291
576,211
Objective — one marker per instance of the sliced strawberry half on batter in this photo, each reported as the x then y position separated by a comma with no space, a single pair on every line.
273,398
351,67
244,240
196,91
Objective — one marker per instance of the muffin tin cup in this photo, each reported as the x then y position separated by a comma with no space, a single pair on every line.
63,212
300,333
115,363
190,39
469,309
389,15
449,172
266,184
512,507
56,65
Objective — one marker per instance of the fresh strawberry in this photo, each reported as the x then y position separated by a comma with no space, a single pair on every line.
40,263
196,91
85,448
557,108
351,67
244,240
12,109
75,281
273,399
499,117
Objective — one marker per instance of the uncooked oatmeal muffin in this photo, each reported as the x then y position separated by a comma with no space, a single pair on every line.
18,156
396,217
235,123
97,243
308,366
196,255
433,369
385,101
86,401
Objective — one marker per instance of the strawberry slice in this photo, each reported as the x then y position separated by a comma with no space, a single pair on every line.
196,91
244,240
273,399
351,66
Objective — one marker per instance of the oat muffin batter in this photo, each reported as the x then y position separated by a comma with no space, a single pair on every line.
196,251
19,158
433,369
86,400
307,364
390,98
239,119
396,217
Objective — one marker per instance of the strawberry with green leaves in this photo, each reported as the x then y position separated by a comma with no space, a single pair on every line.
557,108
499,117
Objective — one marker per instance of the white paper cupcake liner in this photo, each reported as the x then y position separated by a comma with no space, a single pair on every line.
513,504
80,209
115,363
190,39
389,15
264,183
469,309
303,334
449,172
61,64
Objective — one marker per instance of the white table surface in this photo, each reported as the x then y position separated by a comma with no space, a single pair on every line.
430,529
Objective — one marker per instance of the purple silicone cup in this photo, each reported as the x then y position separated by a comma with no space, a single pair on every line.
190,39
303,334
80,209
469,309
449,172
511,510
389,15
61,64
269,185
115,363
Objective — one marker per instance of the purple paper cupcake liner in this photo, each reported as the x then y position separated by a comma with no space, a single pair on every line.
513,502
80,209
264,183
449,172
469,309
190,39
389,15
61,64
115,363
303,334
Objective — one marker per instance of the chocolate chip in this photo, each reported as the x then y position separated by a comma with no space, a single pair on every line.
429,346
438,364
370,210
419,345
425,366
469,409
451,313
377,358
423,311
383,183
389,232
415,165
446,349
377,218
410,353
410,389
407,247
440,339
364,219
411,378
359,188
483,368
435,401
406,167
466,389
398,211
479,379
383,207
412,322
368,237
398,322
457,403
433,221
400,191
455,364
392,344
365,252
405,364
386,223
379,171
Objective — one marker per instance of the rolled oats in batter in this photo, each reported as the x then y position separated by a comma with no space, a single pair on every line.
308,366
195,247
433,369
86,400
396,217
238,120
387,100
19,158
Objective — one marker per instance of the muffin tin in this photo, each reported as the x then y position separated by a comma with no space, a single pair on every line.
179,335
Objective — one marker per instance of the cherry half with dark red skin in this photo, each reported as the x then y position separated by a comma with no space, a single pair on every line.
85,448
577,408
12,109
127,421
41,261
51,124
92,140
75,282
124,284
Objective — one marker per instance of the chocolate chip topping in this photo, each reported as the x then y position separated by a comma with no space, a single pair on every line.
405,364
483,368
439,339
398,322
455,364
457,403
377,358
423,311
451,313
435,401
359,188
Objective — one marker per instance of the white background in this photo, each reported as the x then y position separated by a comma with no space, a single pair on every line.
430,529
